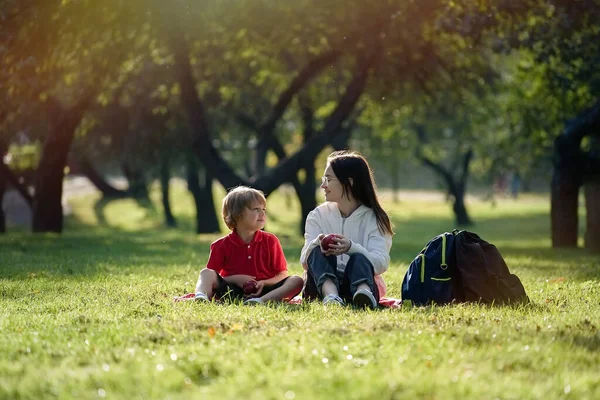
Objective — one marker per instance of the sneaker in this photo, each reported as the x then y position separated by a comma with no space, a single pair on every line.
363,298
253,301
201,297
333,299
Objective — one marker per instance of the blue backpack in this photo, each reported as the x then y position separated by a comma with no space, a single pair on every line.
429,275
459,266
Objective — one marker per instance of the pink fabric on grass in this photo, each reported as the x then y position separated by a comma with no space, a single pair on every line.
388,302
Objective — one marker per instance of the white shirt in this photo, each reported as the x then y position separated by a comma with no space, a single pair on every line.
360,227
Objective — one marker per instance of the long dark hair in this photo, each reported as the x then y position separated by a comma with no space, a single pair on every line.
352,170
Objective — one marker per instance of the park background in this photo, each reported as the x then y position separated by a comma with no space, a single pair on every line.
122,124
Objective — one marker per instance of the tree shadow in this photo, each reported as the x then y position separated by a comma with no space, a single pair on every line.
99,208
81,253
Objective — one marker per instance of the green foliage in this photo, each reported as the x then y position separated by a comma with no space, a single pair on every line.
500,77
25,157
89,314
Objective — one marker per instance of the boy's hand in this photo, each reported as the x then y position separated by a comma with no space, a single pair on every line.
259,288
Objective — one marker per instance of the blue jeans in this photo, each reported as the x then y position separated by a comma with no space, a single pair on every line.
321,267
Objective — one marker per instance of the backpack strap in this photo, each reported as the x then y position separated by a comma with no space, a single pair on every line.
443,265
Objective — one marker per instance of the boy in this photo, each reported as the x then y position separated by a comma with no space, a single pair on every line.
246,254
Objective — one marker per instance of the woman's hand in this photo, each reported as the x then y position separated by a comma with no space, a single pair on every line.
326,252
340,246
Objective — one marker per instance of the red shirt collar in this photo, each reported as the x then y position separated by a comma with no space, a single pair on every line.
237,240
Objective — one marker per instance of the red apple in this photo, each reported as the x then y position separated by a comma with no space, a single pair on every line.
328,240
249,286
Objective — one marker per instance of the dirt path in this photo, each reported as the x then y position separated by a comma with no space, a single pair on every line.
18,212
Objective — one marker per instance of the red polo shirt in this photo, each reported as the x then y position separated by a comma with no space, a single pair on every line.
262,258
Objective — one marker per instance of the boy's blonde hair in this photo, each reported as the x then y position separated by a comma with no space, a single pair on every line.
237,200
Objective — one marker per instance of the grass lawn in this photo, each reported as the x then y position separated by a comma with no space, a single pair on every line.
89,314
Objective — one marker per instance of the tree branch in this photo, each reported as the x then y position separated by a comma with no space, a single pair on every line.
436,167
13,180
284,170
310,70
201,142
584,124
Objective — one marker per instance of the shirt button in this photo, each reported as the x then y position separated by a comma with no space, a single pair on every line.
249,257
248,246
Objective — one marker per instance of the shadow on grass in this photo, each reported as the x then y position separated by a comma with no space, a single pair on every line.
86,250
99,207
98,251
581,264
101,204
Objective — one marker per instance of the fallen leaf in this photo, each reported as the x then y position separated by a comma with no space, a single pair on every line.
212,332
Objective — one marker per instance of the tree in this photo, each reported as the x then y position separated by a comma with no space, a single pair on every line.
48,67
564,38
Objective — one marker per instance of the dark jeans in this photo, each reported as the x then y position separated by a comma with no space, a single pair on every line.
231,292
320,268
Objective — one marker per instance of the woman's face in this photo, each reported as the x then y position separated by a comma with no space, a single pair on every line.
331,186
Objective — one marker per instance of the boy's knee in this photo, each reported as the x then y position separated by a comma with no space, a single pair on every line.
208,274
296,281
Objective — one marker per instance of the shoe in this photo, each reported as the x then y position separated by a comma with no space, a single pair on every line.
201,297
333,299
363,298
253,301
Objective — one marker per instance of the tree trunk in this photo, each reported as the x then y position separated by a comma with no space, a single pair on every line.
566,182
567,176
563,214
47,202
395,173
456,188
592,206
2,191
138,188
306,191
3,184
206,216
592,195
262,149
307,195
165,176
460,210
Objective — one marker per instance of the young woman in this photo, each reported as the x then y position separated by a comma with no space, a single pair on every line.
349,270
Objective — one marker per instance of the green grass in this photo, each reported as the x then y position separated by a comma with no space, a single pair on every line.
89,314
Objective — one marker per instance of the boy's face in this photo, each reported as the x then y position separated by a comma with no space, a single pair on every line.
254,218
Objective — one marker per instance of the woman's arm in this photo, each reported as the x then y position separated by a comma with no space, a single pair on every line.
377,250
